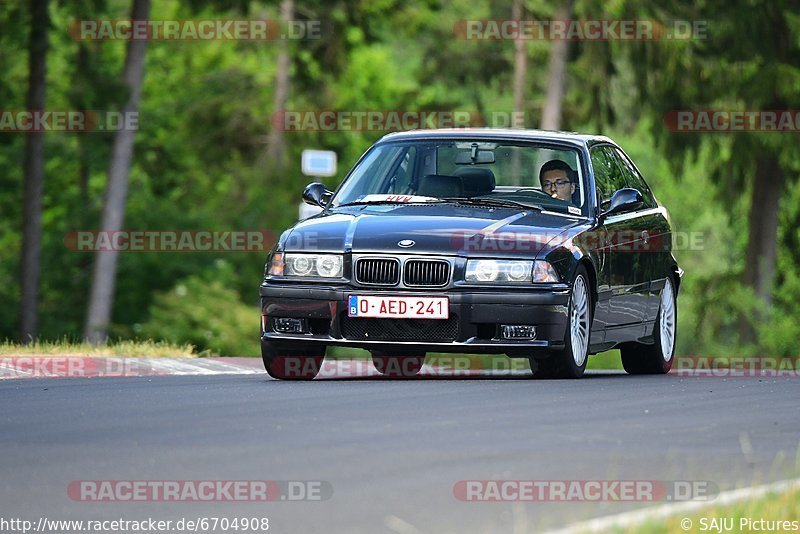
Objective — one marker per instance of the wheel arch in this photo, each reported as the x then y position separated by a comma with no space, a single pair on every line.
592,274
677,275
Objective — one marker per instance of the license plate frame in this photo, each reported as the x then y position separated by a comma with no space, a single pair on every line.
398,307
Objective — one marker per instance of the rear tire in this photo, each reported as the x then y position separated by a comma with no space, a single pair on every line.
656,359
292,364
571,362
398,364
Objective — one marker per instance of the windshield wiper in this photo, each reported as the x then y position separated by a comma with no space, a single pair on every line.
379,202
494,202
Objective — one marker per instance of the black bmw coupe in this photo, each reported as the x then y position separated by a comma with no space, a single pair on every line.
548,246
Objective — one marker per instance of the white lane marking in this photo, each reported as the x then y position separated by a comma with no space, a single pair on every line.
637,517
226,368
168,366
182,366
12,371
122,366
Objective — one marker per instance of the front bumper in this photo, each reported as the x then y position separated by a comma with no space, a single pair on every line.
476,316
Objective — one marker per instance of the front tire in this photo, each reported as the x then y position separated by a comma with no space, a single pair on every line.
571,362
655,359
292,364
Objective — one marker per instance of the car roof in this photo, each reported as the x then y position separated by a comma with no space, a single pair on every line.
573,138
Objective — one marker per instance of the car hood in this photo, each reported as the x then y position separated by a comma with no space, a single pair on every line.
434,229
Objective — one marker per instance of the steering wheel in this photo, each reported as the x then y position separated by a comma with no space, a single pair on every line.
537,191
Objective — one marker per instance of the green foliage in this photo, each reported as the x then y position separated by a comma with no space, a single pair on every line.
780,333
202,310
200,156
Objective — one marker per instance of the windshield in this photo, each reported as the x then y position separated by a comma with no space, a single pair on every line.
475,171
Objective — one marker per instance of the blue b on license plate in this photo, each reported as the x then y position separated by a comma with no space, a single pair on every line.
395,307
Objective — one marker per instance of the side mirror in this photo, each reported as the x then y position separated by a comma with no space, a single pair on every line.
315,194
626,199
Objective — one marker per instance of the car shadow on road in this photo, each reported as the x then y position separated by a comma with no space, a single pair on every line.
364,370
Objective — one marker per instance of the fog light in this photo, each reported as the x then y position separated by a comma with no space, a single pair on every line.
286,325
518,331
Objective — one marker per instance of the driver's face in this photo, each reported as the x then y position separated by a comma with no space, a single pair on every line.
556,184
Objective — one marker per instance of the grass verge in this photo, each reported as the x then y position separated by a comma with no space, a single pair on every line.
744,516
132,349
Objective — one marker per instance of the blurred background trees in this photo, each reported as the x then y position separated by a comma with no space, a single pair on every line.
207,157
33,172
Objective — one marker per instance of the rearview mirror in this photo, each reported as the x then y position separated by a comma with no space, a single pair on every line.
474,157
625,199
316,194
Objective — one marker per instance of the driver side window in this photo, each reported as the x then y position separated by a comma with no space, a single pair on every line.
634,179
607,175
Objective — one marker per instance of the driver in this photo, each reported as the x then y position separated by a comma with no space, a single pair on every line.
555,179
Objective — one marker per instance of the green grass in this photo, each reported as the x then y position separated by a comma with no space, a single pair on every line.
771,507
605,360
347,353
137,349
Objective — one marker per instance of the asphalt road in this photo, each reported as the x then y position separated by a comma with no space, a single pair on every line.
391,450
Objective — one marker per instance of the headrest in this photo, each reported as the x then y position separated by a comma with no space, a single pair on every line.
439,185
476,180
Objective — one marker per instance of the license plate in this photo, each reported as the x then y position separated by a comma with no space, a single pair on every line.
398,307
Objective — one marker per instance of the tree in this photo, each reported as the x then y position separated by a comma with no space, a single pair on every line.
747,60
101,297
520,75
556,74
33,170
520,62
276,151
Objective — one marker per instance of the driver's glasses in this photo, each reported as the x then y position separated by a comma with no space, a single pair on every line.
548,184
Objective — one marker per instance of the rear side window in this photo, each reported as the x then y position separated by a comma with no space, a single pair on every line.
633,178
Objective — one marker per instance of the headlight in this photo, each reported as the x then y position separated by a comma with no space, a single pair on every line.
312,265
330,266
510,272
300,265
503,271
